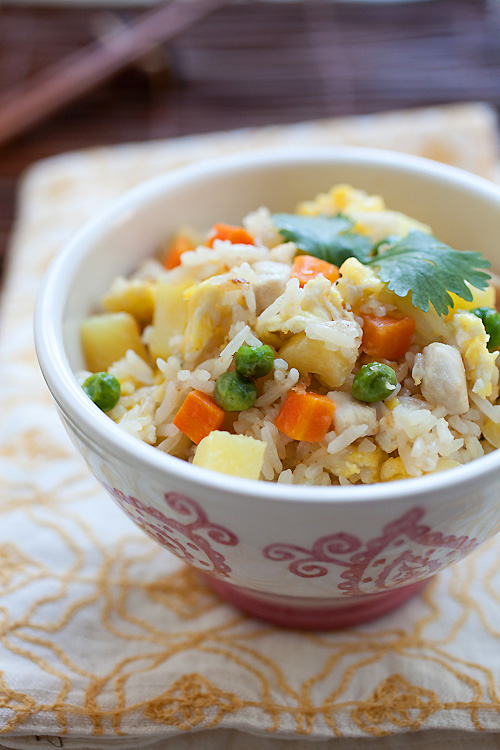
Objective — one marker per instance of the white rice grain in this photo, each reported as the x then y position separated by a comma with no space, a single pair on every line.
474,448
224,360
343,481
367,446
464,427
486,407
280,364
273,389
260,225
272,463
346,438
169,404
132,366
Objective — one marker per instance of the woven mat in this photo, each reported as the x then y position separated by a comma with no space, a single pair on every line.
108,640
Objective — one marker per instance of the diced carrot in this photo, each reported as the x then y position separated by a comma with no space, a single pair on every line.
180,244
198,416
387,337
235,235
305,416
307,267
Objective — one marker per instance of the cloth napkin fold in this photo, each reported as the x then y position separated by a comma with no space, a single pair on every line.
105,637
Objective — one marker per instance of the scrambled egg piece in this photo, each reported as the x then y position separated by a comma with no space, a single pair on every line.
480,364
357,464
444,463
379,224
209,309
392,469
341,199
368,212
357,282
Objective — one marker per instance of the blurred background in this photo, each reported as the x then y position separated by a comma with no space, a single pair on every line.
76,74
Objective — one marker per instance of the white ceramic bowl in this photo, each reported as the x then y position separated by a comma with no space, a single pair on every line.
300,556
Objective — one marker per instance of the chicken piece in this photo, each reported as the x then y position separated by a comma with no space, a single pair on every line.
270,283
443,378
350,412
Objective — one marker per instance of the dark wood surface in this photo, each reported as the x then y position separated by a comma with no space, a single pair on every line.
253,63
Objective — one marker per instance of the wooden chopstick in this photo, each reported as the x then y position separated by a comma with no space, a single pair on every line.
76,75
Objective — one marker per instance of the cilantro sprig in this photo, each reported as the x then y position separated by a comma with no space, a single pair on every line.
419,262
330,239
428,268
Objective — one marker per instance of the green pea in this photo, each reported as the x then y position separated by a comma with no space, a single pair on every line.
234,392
374,382
254,361
103,389
491,322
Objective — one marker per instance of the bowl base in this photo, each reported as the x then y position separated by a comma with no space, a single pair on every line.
311,614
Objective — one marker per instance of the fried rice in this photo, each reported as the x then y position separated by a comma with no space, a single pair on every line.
232,294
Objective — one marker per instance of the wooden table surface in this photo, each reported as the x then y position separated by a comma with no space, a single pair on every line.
253,63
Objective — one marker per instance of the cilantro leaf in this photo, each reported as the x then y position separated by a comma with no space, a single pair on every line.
330,239
428,268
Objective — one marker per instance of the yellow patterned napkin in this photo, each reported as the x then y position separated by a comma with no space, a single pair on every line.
105,636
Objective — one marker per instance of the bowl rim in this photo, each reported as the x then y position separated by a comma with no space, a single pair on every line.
98,428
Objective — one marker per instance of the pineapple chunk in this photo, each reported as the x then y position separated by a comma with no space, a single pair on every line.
107,338
237,455
429,326
480,298
170,316
310,355
134,297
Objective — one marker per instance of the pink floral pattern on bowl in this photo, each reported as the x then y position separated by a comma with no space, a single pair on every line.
405,552
186,531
